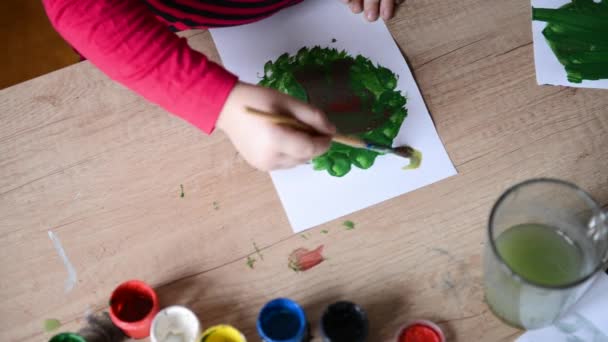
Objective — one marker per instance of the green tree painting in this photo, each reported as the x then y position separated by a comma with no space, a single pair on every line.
358,97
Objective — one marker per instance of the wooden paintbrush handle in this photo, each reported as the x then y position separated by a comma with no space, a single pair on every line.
348,140
294,123
282,120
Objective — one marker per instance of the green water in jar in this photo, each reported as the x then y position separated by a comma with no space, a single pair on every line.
540,255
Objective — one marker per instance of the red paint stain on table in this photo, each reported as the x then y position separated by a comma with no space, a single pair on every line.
302,259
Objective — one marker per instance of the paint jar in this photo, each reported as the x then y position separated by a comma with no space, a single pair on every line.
344,322
420,331
175,324
133,306
67,337
222,333
282,320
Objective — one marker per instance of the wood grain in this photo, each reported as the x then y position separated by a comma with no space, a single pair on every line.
102,168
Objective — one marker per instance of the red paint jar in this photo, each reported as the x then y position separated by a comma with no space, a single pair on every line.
420,331
133,305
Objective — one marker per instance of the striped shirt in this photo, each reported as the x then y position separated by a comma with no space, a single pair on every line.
186,14
129,41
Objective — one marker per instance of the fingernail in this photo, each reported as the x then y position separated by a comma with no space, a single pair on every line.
384,14
371,15
332,128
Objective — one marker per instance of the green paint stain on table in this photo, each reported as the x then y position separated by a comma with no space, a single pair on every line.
578,35
325,231
51,324
258,251
250,262
349,225
182,194
216,205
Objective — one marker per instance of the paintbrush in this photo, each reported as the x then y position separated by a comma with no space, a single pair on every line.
402,151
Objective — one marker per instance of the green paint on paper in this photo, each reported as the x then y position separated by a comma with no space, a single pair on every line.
216,205
251,262
415,161
578,35
350,225
181,186
258,251
357,96
51,324
325,231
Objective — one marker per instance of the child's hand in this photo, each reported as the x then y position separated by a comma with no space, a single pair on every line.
386,8
265,145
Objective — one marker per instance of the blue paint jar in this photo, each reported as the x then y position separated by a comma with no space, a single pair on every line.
282,320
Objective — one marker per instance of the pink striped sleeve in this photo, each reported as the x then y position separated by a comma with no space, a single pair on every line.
126,41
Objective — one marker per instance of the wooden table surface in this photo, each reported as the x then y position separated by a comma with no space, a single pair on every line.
101,168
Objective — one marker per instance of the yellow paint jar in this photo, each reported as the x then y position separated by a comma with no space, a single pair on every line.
222,333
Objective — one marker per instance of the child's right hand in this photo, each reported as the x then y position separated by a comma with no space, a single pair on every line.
265,145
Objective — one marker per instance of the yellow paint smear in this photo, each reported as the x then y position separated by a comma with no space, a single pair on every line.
222,333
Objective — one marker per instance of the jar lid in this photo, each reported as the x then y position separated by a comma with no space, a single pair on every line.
420,331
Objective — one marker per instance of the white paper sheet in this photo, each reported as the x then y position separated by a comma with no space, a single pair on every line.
312,197
586,321
548,69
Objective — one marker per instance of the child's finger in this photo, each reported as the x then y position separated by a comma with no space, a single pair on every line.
387,8
288,163
300,146
371,9
356,6
312,117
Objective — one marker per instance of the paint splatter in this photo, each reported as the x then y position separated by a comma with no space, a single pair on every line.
251,262
333,40
182,194
304,236
348,225
302,259
70,282
216,205
325,231
51,324
258,251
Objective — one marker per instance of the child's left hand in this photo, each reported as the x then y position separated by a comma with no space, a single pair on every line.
373,8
